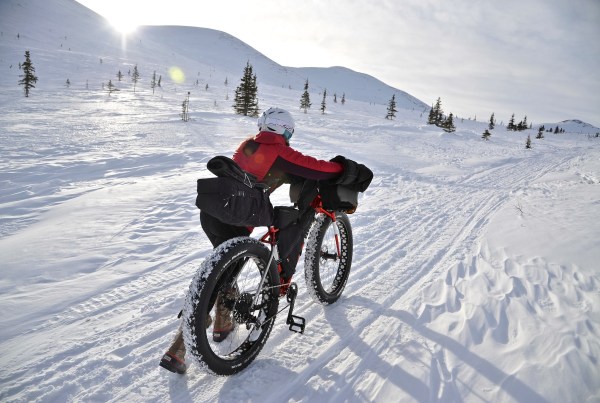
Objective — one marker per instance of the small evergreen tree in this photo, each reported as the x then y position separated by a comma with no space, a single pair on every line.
511,123
323,102
343,98
528,142
135,77
185,115
431,116
119,75
540,134
111,87
335,98
153,81
68,83
448,124
436,114
391,109
246,94
305,99
486,135
492,122
29,77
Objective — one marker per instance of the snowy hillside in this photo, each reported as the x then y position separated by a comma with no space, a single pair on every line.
72,37
475,274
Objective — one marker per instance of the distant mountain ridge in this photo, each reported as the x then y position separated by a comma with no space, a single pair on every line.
68,33
572,126
67,26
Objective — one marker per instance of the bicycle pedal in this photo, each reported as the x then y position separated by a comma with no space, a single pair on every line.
297,323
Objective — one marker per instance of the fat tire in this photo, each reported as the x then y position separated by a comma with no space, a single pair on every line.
318,270
217,270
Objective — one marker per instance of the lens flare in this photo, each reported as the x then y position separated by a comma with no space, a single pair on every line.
176,74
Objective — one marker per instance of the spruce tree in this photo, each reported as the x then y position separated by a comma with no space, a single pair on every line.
436,114
185,108
29,77
540,134
323,102
391,109
111,87
153,82
431,117
305,99
492,122
511,123
448,124
135,77
343,98
486,135
528,142
246,94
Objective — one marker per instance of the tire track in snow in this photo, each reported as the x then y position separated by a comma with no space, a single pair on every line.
437,226
450,227
107,329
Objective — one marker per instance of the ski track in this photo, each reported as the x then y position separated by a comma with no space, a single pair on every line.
434,227
94,310
444,235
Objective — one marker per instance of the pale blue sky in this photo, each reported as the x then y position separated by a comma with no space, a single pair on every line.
539,58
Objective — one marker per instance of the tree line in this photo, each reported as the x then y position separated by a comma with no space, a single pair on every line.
246,99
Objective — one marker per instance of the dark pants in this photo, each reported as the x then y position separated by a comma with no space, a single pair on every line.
219,232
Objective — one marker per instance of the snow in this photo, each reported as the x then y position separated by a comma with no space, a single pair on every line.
475,268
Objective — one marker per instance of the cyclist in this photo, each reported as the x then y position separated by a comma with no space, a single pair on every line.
269,157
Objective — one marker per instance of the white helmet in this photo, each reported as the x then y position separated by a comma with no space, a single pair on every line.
278,121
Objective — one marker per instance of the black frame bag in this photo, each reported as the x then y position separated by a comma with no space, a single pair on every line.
234,202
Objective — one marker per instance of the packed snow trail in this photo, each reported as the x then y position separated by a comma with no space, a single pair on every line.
407,233
475,263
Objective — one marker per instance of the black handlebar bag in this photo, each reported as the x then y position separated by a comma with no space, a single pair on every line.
234,202
339,197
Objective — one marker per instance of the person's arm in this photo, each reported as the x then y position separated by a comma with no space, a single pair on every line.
295,163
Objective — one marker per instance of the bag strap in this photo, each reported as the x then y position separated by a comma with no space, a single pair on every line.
224,166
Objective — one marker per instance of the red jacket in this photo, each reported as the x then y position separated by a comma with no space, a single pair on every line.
272,161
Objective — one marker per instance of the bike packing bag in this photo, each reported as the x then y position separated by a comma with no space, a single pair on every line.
292,225
339,197
234,202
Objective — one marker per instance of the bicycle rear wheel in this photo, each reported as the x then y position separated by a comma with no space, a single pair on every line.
233,271
328,257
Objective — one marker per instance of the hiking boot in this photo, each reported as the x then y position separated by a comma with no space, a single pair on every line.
172,363
224,324
174,359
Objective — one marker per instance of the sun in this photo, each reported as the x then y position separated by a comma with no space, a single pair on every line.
123,23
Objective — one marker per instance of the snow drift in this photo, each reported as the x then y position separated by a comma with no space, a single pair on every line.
474,275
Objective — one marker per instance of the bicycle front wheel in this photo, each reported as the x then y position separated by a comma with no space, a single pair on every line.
328,257
230,279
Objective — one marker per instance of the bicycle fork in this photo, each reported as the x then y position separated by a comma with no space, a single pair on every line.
296,323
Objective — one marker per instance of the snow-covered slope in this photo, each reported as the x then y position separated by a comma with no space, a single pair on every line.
68,36
573,126
475,263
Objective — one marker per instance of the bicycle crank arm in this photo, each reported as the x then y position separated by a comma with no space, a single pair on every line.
296,323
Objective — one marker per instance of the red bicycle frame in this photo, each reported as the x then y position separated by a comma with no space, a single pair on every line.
270,238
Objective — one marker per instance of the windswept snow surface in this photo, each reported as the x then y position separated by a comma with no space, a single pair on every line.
475,273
